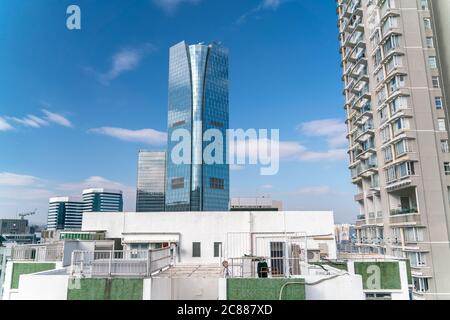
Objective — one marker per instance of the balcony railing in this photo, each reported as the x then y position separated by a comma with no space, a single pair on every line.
263,267
37,253
130,263
396,212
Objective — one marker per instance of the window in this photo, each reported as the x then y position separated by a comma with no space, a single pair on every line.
432,62
402,147
394,62
430,42
177,183
444,146
398,103
414,234
424,4
438,102
388,154
196,250
383,115
385,135
217,249
178,124
441,125
427,23
392,43
400,124
447,168
421,284
378,296
216,183
405,169
391,174
436,82
417,259
396,83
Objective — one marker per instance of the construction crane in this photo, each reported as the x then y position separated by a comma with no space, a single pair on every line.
25,214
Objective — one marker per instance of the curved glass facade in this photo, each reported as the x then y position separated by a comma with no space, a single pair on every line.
198,101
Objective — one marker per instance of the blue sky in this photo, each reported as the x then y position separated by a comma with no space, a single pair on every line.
76,106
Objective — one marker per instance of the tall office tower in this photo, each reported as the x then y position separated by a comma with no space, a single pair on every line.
102,200
150,195
395,63
198,101
65,213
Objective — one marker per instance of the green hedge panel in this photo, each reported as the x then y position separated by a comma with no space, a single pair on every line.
265,289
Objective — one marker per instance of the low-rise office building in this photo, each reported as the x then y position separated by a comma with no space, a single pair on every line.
255,204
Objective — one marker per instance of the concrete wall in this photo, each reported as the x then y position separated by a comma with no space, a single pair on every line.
181,289
210,227
43,287
11,285
345,287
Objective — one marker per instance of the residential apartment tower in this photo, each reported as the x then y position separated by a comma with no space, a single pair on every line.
395,60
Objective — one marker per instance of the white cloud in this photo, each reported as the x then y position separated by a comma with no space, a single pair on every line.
148,136
263,5
334,130
320,190
235,167
23,193
12,179
30,121
91,182
170,6
267,186
288,151
123,61
57,118
4,125
37,122
271,4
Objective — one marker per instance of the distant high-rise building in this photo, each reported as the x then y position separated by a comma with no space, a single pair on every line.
14,226
396,73
65,213
102,200
150,195
198,101
255,204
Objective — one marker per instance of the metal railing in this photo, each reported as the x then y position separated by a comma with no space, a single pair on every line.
132,263
37,253
262,267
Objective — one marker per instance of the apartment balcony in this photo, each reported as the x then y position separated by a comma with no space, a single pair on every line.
403,205
386,12
364,134
359,196
354,9
405,220
356,99
352,24
402,211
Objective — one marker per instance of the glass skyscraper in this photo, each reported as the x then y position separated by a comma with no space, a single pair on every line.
150,195
198,101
